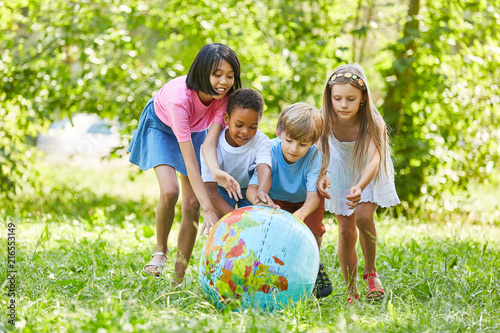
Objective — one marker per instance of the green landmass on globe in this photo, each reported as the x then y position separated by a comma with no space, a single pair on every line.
259,257
242,271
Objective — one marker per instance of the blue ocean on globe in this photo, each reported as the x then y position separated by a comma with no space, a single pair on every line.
259,257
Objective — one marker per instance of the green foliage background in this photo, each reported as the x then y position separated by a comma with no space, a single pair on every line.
433,67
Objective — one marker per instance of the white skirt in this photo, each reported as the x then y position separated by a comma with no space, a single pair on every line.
381,192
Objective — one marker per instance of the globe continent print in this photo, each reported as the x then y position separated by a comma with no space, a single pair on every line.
260,257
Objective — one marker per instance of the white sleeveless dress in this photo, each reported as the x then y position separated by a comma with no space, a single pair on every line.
381,192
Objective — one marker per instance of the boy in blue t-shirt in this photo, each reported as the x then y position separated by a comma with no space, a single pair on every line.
296,166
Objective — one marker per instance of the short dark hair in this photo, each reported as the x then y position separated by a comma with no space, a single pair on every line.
247,99
206,63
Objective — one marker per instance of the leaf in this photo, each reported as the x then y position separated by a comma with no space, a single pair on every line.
147,231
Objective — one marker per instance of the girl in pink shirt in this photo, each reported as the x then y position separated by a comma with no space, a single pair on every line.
172,127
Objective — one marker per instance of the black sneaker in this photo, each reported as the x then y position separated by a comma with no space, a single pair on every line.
323,287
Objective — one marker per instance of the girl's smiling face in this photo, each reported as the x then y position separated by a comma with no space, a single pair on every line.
346,100
242,126
222,79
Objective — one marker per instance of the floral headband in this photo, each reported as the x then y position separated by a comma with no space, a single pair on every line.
351,76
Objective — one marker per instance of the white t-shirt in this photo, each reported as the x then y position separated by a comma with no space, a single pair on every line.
239,162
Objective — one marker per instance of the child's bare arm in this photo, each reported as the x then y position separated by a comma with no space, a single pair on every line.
209,150
193,171
265,180
310,205
371,169
219,203
252,194
252,197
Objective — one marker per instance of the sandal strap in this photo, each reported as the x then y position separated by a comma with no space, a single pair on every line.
374,291
159,254
370,276
351,299
159,266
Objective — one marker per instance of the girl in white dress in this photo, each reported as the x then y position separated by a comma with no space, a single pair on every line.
360,174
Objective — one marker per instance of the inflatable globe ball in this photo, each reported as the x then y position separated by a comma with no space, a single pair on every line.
259,257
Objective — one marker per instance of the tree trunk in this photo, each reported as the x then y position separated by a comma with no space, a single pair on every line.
361,53
356,22
399,89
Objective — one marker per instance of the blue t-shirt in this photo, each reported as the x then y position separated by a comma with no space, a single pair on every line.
291,182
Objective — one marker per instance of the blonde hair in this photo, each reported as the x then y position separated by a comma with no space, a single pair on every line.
367,116
303,122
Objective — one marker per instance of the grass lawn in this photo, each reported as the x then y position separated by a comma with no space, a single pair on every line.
83,238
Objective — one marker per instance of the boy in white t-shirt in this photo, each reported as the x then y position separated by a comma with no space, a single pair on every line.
241,149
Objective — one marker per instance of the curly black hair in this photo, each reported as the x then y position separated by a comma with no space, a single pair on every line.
247,99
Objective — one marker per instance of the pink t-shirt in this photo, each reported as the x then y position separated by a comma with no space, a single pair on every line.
181,109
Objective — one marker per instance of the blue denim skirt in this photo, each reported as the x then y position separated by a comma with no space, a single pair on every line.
154,143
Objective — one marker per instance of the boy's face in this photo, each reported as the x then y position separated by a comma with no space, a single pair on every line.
242,126
293,150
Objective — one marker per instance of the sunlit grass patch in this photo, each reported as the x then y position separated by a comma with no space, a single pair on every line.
82,242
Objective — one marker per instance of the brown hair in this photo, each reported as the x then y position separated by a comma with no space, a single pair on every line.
303,122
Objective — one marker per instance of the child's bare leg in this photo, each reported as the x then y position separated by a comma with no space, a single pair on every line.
188,230
165,212
368,240
348,257
367,234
